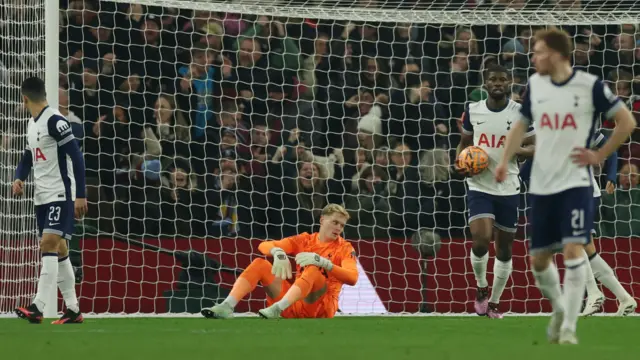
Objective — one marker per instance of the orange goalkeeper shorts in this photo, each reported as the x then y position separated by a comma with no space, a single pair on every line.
325,307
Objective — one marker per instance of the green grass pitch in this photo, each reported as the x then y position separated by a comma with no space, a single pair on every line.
389,338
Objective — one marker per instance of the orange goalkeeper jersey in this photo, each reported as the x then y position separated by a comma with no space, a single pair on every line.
339,251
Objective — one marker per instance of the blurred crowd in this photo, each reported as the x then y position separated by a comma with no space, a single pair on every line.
197,123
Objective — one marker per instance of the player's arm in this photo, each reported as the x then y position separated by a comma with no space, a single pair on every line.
610,165
528,147
60,129
466,132
279,249
290,245
24,166
612,107
22,172
346,272
517,134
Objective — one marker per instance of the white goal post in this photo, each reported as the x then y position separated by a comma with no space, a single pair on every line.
200,144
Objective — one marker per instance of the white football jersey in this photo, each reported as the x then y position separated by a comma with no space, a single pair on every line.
564,116
52,168
489,129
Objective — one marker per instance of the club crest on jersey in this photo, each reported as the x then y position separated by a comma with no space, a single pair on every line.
39,155
491,141
63,127
555,122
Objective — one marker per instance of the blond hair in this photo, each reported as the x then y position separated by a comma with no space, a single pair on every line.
335,209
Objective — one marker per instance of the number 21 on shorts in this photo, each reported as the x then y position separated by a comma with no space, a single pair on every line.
577,222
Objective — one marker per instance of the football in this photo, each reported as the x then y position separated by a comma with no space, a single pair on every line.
473,159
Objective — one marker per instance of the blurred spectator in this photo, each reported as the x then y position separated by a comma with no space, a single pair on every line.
413,115
369,205
167,135
621,210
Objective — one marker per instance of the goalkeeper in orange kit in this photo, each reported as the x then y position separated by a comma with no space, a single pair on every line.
325,261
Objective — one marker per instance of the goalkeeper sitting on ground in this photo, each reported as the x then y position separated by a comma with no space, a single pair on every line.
325,261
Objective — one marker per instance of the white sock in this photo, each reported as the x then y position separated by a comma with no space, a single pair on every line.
47,280
548,281
575,278
604,273
501,274
231,301
282,304
592,285
479,265
67,284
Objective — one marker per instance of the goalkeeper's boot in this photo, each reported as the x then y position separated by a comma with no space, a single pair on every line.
493,311
594,304
482,301
567,337
70,317
30,313
627,307
553,330
218,311
272,312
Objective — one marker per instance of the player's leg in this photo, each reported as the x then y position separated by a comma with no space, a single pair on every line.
67,286
66,275
506,212
595,297
481,219
310,287
576,225
259,271
47,217
47,280
544,239
607,277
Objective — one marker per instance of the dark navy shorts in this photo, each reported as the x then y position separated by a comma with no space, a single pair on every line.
502,209
56,218
562,218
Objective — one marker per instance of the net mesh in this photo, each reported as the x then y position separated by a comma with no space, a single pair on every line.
22,54
210,126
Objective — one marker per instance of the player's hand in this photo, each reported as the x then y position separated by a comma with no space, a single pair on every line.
585,157
308,258
18,187
80,208
281,266
501,172
610,188
460,170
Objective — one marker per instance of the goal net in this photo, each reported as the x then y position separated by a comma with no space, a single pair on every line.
209,126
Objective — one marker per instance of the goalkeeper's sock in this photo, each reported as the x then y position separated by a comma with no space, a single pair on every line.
47,280
258,271
548,281
574,286
67,284
310,281
501,274
592,285
605,274
479,264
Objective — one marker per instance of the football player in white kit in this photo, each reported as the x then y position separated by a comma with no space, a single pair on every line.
563,104
58,172
493,206
597,268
